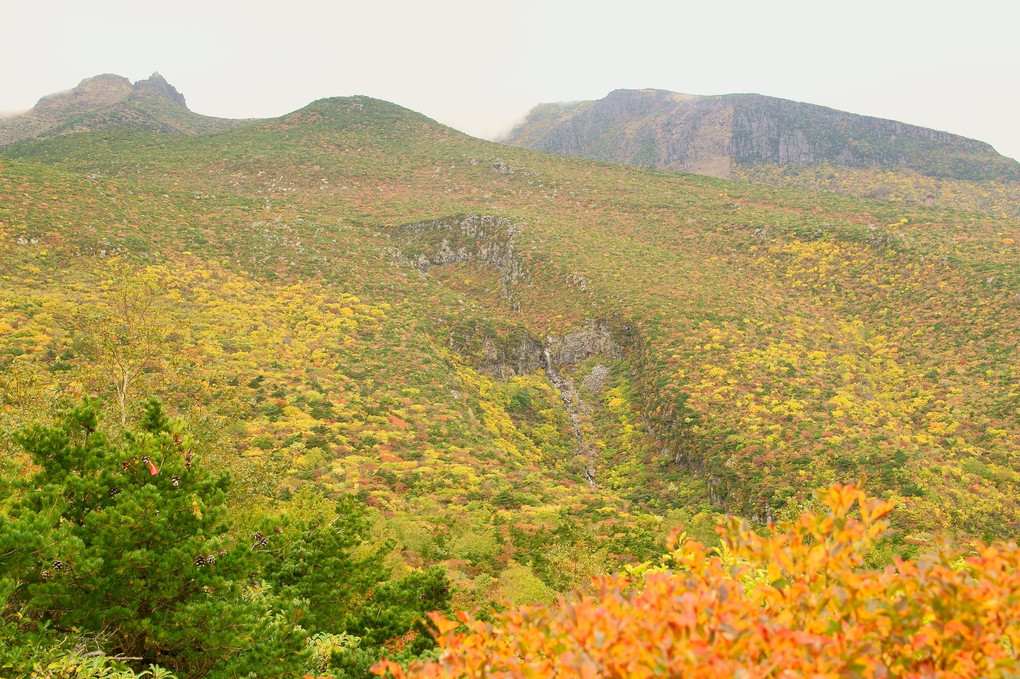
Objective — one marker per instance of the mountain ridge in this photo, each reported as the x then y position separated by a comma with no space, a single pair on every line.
109,101
767,140
663,129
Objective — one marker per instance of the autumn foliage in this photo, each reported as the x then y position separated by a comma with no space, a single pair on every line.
798,602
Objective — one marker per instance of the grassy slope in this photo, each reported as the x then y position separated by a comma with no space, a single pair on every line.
774,339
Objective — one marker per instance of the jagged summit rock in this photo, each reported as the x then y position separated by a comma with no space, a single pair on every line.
157,85
110,101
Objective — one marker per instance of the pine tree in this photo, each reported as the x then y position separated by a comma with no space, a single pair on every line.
315,562
344,589
129,541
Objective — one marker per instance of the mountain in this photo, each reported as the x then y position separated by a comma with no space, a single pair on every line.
749,333
753,137
529,368
111,101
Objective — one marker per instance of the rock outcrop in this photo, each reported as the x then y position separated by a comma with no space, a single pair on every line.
595,339
156,85
451,240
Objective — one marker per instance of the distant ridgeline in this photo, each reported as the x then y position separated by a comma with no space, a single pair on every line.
111,102
780,142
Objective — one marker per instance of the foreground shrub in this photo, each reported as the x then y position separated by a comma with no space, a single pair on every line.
116,555
128,540
797,602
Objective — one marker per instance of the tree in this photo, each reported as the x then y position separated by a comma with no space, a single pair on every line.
129,541
344,590
126,334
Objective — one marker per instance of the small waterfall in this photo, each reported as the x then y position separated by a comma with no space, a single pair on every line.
575,408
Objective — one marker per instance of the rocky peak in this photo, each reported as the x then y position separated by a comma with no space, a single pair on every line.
111,101
157,85
91,93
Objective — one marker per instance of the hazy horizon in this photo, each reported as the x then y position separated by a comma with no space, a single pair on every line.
480,69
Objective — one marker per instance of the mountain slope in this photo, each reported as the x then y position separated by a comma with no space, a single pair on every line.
749,136
492,344
111,101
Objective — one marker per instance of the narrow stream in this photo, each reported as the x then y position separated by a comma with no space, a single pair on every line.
576,410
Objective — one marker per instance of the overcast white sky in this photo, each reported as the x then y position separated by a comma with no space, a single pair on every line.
479,66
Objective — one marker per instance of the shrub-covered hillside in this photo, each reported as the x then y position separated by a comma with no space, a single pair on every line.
527,369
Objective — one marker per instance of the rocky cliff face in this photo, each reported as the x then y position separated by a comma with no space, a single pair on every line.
647,127
491,241
712,135
450,240
595,339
